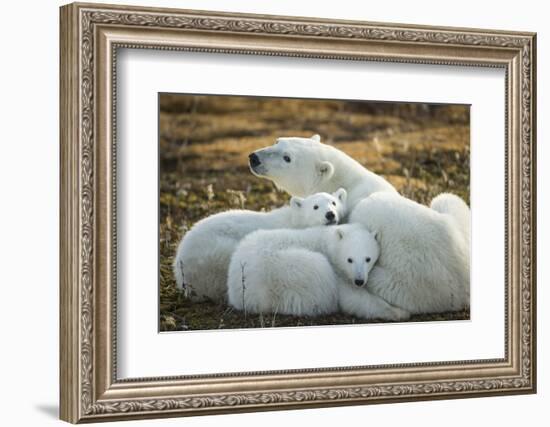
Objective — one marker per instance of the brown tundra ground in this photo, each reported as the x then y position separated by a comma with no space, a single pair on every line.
204,143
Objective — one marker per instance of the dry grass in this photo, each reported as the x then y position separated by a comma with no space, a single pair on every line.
204,144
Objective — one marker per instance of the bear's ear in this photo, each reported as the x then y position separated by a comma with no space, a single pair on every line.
339,233
325,169
341,194
316,138
376,235
296,202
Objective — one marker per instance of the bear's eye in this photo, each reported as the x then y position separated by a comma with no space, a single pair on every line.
368,259
287,159
334,203
350,260
315,207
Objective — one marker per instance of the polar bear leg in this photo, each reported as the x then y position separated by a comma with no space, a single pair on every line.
308,283
290,281
361,303
200,270
450,204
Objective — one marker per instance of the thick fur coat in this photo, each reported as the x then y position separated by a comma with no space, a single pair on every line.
202,258
424,266
304,166
425,251
308,272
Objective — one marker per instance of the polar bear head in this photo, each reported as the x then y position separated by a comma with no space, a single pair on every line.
296,165
318,209
355,252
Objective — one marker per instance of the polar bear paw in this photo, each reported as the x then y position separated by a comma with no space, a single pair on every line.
398,314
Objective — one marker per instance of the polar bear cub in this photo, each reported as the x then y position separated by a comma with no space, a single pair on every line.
424,266
307,272
203,255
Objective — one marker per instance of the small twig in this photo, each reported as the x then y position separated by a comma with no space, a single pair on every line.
238,196
243,286
180,265
175,315
222,320
275,314
185,288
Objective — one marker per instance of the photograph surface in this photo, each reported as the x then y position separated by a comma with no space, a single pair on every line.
281,212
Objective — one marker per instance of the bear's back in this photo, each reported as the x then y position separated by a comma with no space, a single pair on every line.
421,248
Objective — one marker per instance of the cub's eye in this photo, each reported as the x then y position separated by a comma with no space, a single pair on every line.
334,203
368,259
350,260
315,207
287,159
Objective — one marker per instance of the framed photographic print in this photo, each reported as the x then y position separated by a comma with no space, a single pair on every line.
265,212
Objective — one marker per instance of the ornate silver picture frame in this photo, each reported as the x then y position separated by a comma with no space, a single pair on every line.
91,34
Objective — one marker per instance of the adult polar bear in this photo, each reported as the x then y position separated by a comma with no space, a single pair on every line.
424,265
304,166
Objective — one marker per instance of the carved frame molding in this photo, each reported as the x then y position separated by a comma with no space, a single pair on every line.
90,37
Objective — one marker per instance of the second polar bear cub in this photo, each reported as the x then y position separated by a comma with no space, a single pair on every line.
203,255
307,272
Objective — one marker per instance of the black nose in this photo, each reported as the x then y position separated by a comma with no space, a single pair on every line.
254,160
329,215
359,282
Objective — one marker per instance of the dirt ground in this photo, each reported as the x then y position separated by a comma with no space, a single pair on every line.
421,149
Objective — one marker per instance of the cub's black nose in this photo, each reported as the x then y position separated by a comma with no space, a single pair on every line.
359,282
254,160
329,215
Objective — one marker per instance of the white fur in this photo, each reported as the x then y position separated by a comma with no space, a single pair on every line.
456,208
424,264
425,253
203,255
315,167
306,272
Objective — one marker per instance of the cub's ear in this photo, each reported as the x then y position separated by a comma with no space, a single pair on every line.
339,233
296,202
316,138
325,169
376,235
341,194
